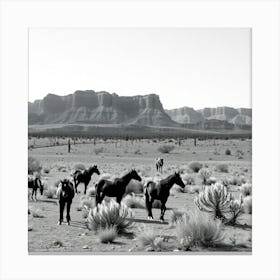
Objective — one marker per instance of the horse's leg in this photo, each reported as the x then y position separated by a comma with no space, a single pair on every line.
68,212
32,195
149,204
76,185
36,194
61,208
86,184
119,199
163,209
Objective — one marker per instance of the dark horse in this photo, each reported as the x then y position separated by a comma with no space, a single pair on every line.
65,194
35,183
160,191
114,188
84,176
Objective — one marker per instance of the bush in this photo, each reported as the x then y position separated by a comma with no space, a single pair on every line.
79,166
205,175
246,189
46,170
175,216
214,199
33,165
111,214
228,152
98,151
222,168
50,192
247,204
166,149
196,229
134,186
149,241
188,179
37,213
236,180
133,201
107,235
195,166
91,191
87,202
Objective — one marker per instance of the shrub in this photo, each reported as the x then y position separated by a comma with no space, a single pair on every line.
91,191
50,192
247,204
79,166
134,186
228,152
222,168
37,213
195,166
98,151
33,165
46,170
166,149
133,201
236,180
188,179
236,207
204,174
137,152
107,235
175,216
214,199
246,189
106,215
149,241
196,229
87,202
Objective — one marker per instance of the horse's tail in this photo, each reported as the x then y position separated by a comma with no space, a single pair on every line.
97,193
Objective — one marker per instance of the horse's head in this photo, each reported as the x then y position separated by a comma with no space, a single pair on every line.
135,176
65,188
178,180
94,169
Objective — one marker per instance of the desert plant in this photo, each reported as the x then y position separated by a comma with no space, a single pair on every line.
195,166
236,180
228,152
87,202
133,201
50,192
222,168
188,179
106,215
99,150
175,216
33,165
79,166
236,207
138,152
107,235
246,189
37,213
214,199
166,149
46,170
91,191
134,186
149,241
247,204
204,174
196,229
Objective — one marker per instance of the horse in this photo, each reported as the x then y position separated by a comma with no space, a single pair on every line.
84,176
159,164
35,183
160,191
115,188
65,194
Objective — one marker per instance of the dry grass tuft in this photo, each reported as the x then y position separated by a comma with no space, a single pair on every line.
107,215
133,201
166,149
198,229
222,168
149,241
246,189
205,175
247,204
195,166
33,165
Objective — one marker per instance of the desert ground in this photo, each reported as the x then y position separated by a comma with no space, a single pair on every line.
116,157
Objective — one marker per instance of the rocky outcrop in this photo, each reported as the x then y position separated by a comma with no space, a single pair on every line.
99,108
185,115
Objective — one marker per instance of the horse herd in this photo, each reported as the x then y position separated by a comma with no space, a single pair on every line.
111,188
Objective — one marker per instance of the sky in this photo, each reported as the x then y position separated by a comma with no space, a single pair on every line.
194,67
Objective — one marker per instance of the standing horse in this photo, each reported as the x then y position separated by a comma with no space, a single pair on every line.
65,194
35,183
115,188
84,177
159,164
160,191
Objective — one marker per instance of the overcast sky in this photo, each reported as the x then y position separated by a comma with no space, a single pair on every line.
195,67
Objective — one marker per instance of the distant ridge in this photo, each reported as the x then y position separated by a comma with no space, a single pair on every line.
102,108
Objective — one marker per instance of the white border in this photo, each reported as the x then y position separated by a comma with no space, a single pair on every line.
18,16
